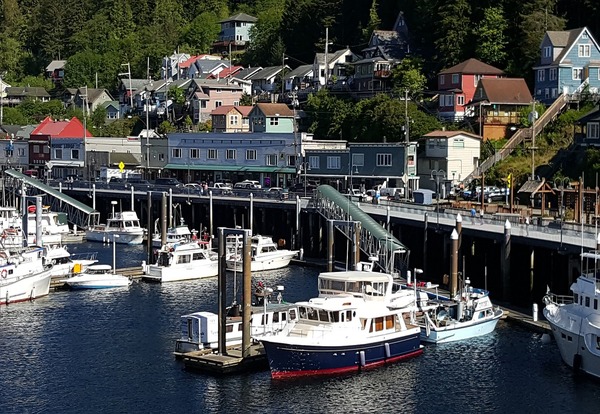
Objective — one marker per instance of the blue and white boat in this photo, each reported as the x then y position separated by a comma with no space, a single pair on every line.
97,277
349,327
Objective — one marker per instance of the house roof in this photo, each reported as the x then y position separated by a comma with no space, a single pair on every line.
216,84
188,62
266,73
61,129
225,109
56,64
25,91
230,71
300,72
505,91
566,39
275,109
592,116
390,43
114,104
240,17
93,94
450,134
247,73
473,67
331,57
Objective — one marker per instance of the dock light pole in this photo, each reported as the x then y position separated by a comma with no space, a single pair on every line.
435,176
115,236
559,184
416,272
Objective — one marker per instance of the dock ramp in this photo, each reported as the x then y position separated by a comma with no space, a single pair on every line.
375,241
77,212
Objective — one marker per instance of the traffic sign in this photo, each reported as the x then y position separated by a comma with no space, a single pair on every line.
121,166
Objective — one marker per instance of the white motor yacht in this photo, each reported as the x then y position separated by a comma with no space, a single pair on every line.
97,276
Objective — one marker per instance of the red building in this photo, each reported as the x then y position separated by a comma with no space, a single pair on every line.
457,85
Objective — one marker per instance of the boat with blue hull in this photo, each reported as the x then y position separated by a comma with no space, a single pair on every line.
349,327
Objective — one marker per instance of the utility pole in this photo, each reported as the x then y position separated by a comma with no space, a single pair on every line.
326,57
533,115
406,143
128,73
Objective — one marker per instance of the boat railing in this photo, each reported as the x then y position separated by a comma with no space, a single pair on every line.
560,299
84,256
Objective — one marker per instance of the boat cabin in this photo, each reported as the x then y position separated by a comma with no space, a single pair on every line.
175,254
356,283
123,220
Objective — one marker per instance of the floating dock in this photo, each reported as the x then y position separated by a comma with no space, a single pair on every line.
232,362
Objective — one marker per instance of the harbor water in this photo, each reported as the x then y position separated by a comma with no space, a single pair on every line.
110,351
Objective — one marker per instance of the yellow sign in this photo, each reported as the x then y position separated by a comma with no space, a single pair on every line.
121,166
509,180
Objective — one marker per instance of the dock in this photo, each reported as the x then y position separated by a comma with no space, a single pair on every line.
231,362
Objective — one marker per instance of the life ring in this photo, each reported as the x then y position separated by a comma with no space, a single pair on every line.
4,273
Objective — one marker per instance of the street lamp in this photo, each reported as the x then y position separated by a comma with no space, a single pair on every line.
559,184
435,176
353,170
147,109
305,166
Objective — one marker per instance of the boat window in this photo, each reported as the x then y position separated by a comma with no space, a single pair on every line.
136,223
283,316
348,316
376,324
312,314
587,301
335,316
481,315
363,323
293,314
323,315
262,320
332,285
302,312
197,256
189,328
240,327
353,287
597,342
229,328
596,304
575,298
275,317
184,258
389,321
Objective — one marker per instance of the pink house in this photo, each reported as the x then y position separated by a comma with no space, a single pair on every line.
228,118
457,85
209,94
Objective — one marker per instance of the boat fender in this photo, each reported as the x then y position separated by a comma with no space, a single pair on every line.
4,273
427,329
362,358
576,363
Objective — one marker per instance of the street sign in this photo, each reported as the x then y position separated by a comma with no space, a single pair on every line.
121,166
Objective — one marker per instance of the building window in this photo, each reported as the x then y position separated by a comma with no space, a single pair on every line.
548,51
577,73
36,149
230,154
593,131
584,51
176,152
460,100
450,100
541,75
358,160
212,154
58,154
21,152
458,143
291,160
333,163
194,153
251,154
272,160
455,79
314,161
547,93
476,79
384,160
552,74
74,154
274,121
233,120
218,103
442,79
161,157
554,92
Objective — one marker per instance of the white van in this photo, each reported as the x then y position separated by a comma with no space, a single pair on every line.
247,184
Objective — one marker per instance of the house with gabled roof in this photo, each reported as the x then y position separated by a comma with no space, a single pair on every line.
334,68
271,118
385,50
569,62
456,86
499,101
113,111
229,118
14,95
205,95
55,71
589,133
300,78
235,32
265,80
88,99
228,72
203,69
171,65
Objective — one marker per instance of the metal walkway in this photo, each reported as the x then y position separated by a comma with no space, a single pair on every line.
77,212
375,241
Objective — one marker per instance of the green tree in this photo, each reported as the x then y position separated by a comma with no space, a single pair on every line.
246,100
327,116
453,26
491,42
13,116
202,32
374,22
165,127
98,118
408,76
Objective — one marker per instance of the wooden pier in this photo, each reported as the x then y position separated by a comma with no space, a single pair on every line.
231,362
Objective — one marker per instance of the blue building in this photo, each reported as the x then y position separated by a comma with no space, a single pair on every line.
569,62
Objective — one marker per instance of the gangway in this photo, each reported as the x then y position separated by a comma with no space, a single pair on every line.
375,241
77,212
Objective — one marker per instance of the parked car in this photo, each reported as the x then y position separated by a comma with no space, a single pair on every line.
247,185
171,182
276,192
221,186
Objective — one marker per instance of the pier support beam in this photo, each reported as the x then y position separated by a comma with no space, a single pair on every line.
247,292
150,229
330,244
454,264
163,218
505,261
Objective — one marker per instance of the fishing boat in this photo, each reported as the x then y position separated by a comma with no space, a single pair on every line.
265,254
182,261
575,320
349,327
97,276
52,222
23,275
177,234
468,315
64,263
125,225
200,330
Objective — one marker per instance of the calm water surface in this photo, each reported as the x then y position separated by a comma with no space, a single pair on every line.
111,352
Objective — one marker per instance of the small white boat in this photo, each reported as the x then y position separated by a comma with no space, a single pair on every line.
575,320
349,327
65,263
52,222
178,234
23,275
97,277
125,225
182,261
468,315
264,254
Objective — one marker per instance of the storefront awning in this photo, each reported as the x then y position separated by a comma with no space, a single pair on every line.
126,158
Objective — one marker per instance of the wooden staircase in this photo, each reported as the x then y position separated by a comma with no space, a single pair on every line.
521,135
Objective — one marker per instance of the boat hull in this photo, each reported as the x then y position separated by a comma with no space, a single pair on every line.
178,273
26,288
300,359
459,331
264,263
106,237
